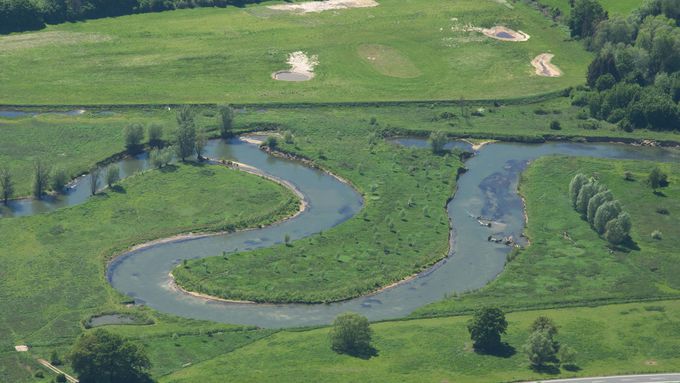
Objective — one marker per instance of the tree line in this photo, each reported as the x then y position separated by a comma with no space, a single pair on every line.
24,15
634,79
187,141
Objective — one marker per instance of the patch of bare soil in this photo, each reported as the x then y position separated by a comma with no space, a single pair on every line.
301,67
320,6
544,67
505,34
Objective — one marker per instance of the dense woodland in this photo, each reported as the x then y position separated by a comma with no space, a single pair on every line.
22,15
634,80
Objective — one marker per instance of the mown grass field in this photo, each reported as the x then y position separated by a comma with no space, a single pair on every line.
559,270
228,55
53,264
614,339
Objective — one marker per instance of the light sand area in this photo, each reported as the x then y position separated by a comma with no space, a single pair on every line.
320,6
12,43
505,34
544,67
301,67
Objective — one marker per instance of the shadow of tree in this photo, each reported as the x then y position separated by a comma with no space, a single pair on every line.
502,350
549,369
571,367
118,189
366,353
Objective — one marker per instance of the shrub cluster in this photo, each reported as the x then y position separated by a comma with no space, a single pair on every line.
598,206
634,79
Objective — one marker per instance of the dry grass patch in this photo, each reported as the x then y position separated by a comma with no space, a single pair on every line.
388,61
320,6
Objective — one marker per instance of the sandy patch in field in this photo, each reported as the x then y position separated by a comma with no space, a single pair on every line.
301,67
544,67
39,39
505,34
320,6
388,61
21,348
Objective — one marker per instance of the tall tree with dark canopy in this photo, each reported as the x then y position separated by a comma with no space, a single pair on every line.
226,114
186,133
41,174
486,327
6,184
585,16
351,334
103,357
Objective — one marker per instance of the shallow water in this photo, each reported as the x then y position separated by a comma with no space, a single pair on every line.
488,190
291,76
20,113
505,35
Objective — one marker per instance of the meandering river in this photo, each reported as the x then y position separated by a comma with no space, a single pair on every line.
488,190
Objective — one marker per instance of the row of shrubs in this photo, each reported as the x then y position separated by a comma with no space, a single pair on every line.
597,205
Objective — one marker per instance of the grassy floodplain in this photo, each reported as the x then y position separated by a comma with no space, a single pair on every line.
439,350
580,268
53,264
228,55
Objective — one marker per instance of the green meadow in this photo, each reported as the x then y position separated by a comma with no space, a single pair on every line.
399,50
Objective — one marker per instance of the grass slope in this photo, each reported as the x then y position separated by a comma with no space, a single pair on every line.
555,270
53,264
613,339
228,55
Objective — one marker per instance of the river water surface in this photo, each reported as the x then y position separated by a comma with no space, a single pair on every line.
488,190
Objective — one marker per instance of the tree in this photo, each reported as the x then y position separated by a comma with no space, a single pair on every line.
351,334
617,230
112,174
486,327
604,214
657,179
94,180
585,16
595,202
61,378
271,142
437,141
155,135
603,64
575,187
555,125
587,192
54,358
19,15
540,348
134,134
201,142
161,157
41,178
545,324
226,114
567,356
59,180
100,356
186,133
6,184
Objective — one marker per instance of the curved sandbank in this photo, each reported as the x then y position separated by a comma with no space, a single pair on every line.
488,189
544,67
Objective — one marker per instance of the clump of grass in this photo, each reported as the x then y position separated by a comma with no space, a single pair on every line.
656,234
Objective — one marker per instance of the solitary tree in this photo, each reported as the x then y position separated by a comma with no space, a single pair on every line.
112,174
604,214
486,327
6,184
595,202
351,334
657,179
41,174
575,187
59,180
134,134
437,141
104,357
271,142
226,114
155,135
618,229
94,180
540,348
201,142
567,356
186,133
